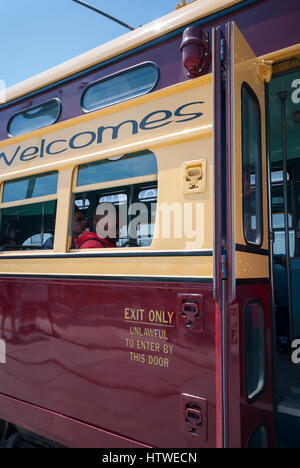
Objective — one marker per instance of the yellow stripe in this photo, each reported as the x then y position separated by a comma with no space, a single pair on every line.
190,267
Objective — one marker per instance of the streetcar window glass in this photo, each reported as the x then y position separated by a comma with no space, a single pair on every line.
278,219
116,199
148,198
119,191
125,167
121,86
37,240
277,177
28,227
34,117
30,187
252,167
279,242
255,349
119,200
148,195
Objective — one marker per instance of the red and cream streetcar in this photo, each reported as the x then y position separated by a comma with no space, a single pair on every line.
180,327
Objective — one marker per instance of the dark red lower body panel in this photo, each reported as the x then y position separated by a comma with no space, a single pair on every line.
116,356
67,431
119,363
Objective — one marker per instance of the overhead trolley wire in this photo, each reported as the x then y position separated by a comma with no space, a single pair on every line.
103,13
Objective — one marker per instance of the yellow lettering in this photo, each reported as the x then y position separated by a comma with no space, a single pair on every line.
126,313
158,361
137,357
148,346
168,349
141,312
129,343
134,314
170,314
151,315
160,316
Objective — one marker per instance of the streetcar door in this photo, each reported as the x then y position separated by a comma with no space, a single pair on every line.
247,376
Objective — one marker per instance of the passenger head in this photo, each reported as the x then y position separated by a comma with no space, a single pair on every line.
8,233
106,222
79,221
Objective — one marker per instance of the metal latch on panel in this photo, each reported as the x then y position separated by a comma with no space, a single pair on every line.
191,313
194,176
194,417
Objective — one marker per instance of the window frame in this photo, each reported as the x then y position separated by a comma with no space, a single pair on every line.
114,75
31,108
260,234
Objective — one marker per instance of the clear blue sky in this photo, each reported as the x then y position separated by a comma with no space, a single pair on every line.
39,34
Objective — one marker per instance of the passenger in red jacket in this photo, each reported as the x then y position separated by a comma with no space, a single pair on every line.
90,240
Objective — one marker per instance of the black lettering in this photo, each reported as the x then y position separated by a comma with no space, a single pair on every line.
27,154
147,124
7,161
92,139
55,152
115,130
192,116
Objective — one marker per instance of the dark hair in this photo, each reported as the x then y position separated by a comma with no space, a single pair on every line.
78,210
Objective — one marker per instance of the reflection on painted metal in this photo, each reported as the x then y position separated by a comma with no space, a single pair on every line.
2,352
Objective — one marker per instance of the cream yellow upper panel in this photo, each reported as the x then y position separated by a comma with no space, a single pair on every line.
131,40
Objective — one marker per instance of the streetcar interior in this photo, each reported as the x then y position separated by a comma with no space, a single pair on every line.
284,154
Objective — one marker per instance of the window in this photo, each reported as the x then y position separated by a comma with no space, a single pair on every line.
252,167
278,218
126,167
255,348
115,201
30,187
277,177
27,225
259,438
35,240
120,87
34,118
279,243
